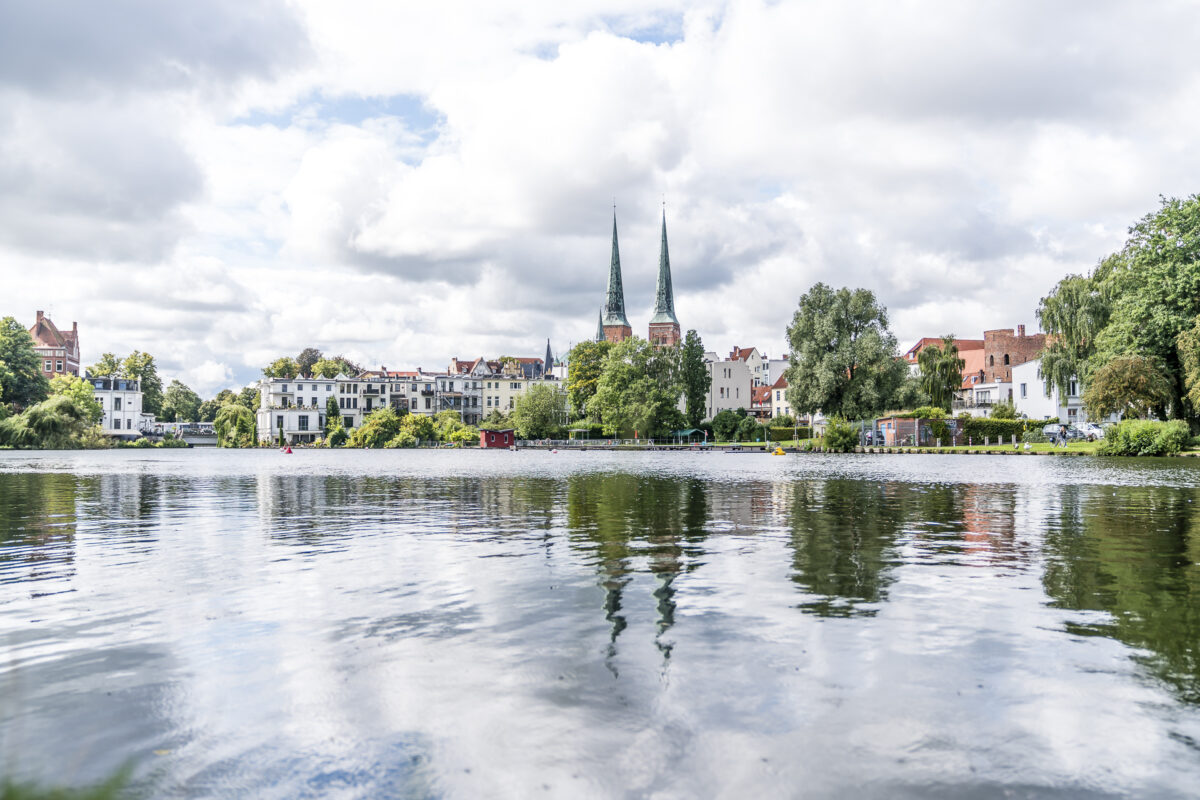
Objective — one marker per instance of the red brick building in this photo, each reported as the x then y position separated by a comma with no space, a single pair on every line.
1004,348
59,351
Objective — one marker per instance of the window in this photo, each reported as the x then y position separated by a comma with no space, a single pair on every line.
129,424
314,402
278,421
354,402
428,404
1073,392
1023,394
1071,412
48,365
303,422
58,366
991,361
321,421
1006,359
341,402
116,404
329,387
283,388
347,422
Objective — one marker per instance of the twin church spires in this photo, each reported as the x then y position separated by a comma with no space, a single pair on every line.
614,325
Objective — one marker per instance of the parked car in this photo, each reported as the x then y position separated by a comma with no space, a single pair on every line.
1092,431
1058,432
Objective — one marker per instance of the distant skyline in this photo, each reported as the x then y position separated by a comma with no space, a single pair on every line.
223,183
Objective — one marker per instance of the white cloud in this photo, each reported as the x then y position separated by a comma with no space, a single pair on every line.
403,183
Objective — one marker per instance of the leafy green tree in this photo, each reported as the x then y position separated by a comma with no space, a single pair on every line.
910,394
844,360
59,423
1188,347
181,404
21,380
82,392
638,389
496,420
695,378
1131,386
282,368
419,426
208,410
586,362
333,415
348,367
464,435
140,367
1073,314
307,358
379,427
250,398
337,436
1005,409
725,425
748,430
941,371
539,412
326,368
107,367
235,427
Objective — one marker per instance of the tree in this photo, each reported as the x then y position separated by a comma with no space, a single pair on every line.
80,391
282,368
638,389
107,367
419,426
208,410
496,420
348,367
1074,313
941,371
725,425
307,358
21,380
59,423
844,360
586,362
539,412
379,427
326,368
181,404
1131,386
234,426
250,398
140,367
1188,346
1005,409
333,415
695,378
748,430
910,394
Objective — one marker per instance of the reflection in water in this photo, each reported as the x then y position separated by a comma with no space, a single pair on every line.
1133,552
591,632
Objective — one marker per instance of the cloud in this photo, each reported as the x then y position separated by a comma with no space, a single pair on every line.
402,183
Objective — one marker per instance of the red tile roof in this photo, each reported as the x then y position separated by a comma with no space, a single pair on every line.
760,395
963,345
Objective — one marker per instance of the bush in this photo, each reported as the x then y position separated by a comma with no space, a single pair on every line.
337,436
1034,436
783,434
1143,437
783,421
840,436
748,430
977,428
404,438
725,424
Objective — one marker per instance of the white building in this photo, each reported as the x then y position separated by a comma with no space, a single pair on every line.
755,362
731,387
121,401
1032,399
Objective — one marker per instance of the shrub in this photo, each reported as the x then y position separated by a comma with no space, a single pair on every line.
748,430
725,424
783,421
977,428
337,436
1142,437
1034,436
404,438
783,434
840,436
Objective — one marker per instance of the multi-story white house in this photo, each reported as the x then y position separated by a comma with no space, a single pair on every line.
121,401
1037,400
731,385
757,364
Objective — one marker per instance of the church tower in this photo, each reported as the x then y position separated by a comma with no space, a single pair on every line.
616,326
664,327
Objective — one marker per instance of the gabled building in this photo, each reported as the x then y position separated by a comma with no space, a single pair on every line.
58,350
756,363
964,346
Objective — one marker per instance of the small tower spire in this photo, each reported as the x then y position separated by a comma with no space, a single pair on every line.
600,326
548,363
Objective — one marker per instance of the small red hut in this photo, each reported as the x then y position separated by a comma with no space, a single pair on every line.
492,438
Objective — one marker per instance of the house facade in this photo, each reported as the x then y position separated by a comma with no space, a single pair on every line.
57,350
1037,399
730,387
120,401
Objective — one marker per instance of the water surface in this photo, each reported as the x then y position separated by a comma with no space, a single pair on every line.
496,624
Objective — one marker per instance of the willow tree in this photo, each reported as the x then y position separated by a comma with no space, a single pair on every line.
1074,314
941,371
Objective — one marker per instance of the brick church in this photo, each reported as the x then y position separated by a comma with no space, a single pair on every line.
664,326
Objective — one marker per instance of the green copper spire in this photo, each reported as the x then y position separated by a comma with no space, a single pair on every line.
600,326
614,307
664,299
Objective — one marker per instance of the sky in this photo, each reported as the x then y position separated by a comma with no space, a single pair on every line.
222,183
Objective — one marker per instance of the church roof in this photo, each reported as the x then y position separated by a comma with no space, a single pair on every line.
614,305
664,297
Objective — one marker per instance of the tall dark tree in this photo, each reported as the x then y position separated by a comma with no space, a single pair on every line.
181,404
694,377
307,358
248,397
844,360
21,380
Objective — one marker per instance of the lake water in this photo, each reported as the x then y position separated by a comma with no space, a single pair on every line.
495,624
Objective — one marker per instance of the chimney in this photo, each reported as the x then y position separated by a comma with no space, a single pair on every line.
1021,331
39,316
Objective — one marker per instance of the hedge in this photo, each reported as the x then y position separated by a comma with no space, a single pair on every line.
786,434
1143,437
978,428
